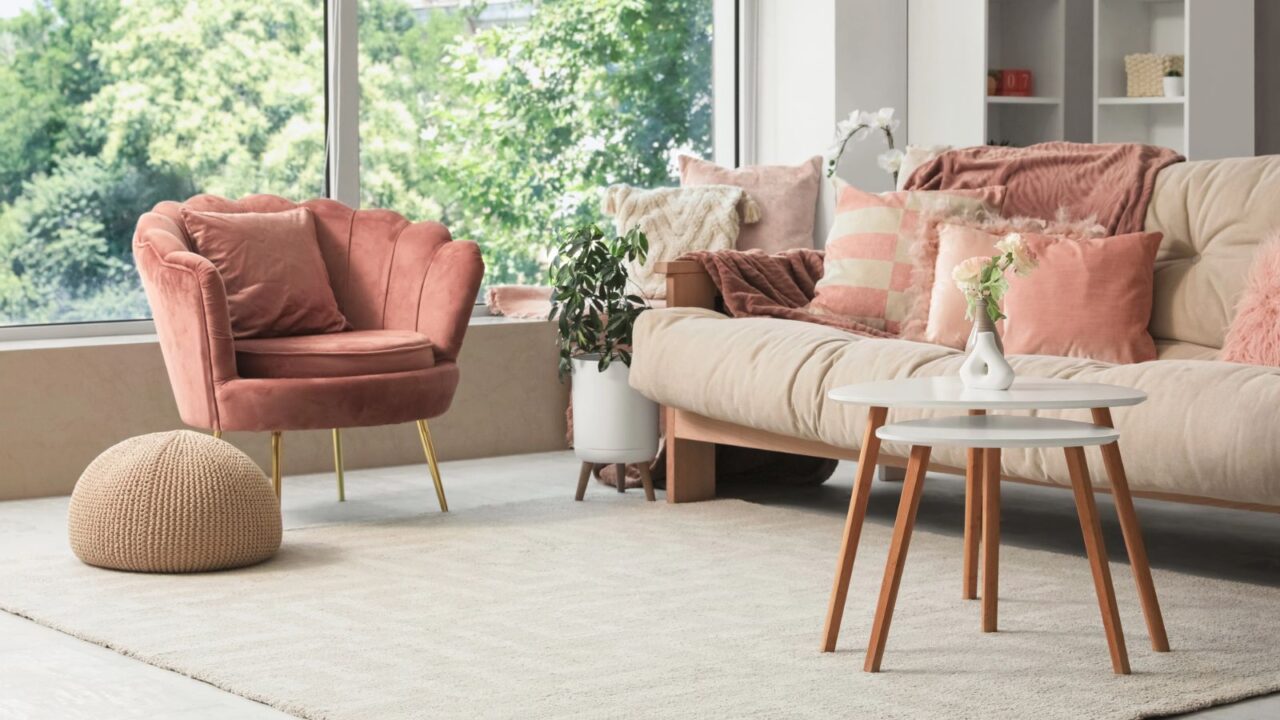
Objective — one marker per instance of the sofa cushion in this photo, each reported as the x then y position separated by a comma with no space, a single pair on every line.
1214,214
359,352
787,195
1199,434
867,267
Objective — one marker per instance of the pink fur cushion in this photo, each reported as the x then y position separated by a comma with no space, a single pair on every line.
938,318
1088,298
1254,335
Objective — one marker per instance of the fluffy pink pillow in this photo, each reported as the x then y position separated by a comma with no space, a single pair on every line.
787,196
867,268
1254,335
1089,298
929,276
276,281
947,324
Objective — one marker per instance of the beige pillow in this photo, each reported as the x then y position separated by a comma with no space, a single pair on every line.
677,221
787,195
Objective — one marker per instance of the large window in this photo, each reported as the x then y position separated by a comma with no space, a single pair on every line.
107,107
502,119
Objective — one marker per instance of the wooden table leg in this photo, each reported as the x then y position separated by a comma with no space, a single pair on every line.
853,526
583,476
620,472
647,480
972,517
1132,536
1097,550
907,507
990,537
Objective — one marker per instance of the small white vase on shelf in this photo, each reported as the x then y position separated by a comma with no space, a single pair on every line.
986,368
1173,86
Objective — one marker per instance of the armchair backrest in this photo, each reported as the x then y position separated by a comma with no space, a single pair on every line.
370,254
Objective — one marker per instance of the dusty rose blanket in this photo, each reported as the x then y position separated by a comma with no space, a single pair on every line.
527,302
1111,182
754,284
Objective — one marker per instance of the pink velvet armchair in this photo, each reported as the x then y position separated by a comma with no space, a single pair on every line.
406,288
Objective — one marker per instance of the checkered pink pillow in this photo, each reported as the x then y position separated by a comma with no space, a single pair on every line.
867,267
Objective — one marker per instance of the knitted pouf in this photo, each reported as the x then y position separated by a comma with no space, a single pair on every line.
173,502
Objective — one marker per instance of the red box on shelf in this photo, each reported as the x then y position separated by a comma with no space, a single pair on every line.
1015,82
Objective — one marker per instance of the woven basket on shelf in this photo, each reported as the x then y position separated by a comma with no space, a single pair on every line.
1146,72
173,502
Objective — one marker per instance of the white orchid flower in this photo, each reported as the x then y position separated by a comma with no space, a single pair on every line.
890,161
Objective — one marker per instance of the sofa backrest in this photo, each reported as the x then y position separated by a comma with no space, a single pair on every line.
1214,214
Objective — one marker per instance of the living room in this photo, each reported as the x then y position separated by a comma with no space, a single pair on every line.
640,358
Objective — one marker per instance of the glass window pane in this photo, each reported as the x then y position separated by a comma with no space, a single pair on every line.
504,119
108,107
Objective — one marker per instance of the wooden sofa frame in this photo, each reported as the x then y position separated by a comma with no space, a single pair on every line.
691,438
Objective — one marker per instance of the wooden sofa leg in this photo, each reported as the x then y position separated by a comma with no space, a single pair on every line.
691,466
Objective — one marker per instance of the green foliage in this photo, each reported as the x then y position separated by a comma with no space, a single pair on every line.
593,311
501,132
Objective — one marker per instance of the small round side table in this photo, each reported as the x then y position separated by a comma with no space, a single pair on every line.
982,481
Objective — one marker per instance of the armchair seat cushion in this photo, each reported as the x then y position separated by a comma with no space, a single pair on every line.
342,354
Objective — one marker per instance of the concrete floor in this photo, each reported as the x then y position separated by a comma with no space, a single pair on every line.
45,674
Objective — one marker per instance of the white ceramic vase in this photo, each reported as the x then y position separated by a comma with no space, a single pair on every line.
612,423
986,368
1173,86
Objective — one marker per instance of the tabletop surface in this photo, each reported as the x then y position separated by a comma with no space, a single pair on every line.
998,431
1027,393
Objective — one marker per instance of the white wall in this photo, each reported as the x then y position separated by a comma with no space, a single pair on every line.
815,61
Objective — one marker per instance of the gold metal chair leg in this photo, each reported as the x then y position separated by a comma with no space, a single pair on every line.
430,449
275,461
217,434
337,464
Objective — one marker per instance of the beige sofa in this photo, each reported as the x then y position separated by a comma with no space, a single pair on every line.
1209,433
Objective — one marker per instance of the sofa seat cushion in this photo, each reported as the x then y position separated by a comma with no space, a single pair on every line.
1207,430
345,354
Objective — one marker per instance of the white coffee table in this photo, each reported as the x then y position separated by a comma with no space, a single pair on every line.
982,481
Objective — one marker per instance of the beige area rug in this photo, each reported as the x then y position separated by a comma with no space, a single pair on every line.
555,609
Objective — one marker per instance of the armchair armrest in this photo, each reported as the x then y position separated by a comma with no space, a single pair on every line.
189,304
688,284
449,295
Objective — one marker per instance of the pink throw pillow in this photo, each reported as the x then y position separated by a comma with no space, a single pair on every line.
787,196
270,263
867,267
1089,298
947,324
1254,335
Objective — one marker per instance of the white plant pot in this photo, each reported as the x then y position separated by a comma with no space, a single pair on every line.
612,423
1173,86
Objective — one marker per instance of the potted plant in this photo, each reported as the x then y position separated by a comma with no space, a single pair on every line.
594,313
1173,83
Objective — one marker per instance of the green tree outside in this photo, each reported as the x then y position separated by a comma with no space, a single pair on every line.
503,132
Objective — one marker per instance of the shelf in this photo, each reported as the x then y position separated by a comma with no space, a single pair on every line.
1142,100
1021,100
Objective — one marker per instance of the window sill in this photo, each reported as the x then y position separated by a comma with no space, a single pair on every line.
53,343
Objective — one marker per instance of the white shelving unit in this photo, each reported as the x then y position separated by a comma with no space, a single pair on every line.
1075,50
952,44
1215,37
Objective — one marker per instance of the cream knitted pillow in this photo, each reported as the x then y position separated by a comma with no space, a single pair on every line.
677,221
